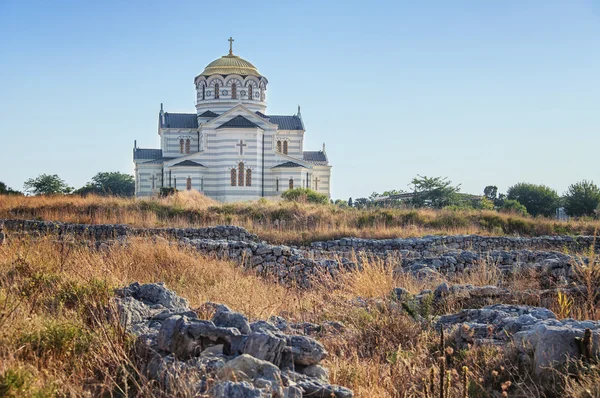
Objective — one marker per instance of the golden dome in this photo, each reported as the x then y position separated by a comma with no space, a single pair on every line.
230,65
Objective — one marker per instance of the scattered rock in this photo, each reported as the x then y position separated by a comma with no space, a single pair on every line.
242,359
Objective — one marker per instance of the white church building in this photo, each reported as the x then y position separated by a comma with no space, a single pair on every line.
230,149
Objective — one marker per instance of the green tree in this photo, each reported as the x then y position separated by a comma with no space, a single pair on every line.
436,192
350,202
537,199
491,192
582,199
305,195
109,183
513,206
46,184
361,203
5,190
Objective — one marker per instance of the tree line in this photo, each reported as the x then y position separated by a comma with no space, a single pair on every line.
103,183
581,198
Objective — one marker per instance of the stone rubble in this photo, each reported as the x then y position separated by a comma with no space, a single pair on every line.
227,356
544,342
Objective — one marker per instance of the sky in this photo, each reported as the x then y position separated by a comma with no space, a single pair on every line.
482,92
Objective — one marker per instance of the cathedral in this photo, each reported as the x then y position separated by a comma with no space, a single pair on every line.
230,149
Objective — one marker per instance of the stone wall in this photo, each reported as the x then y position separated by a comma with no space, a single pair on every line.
464,242
422,257
115,231
286,264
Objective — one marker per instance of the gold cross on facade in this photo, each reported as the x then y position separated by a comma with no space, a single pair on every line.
231,45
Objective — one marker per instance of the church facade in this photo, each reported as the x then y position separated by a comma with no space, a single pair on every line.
230,149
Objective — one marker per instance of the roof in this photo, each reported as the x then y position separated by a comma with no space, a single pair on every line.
283,122
158,161
239,122
315,157
209,114
188,163
230,65
179,120
141,153
287,164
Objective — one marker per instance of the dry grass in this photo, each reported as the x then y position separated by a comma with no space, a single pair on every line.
281,221
56,340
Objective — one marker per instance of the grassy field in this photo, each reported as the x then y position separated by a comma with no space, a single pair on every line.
285,222
58,339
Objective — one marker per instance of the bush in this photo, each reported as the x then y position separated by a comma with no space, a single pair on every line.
58,340
305,195
167,191
513,206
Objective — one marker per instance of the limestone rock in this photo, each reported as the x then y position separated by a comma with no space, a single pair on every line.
185,337
265,345
551,342
226,318
246,367
305,350
230,389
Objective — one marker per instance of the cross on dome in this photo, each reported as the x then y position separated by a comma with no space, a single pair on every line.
230,45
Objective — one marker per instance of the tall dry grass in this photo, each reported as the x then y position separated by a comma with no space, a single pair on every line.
57,340
283,222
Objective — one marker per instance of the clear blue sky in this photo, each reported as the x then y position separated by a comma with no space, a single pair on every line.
483,92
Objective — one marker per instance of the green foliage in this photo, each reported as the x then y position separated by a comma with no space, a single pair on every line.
485,204
340,203
109,183
58,340
537,199
361,203
46,184
4,190
582,199
167,191
513,206
491,192
304,195
435,192
18,382
14,382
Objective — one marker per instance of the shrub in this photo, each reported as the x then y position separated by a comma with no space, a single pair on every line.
513,206
305,195
58,340
167,191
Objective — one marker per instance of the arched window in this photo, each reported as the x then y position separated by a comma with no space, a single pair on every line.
248,177
181,145
188,184
241,174
233,177
250,92
277,184
291,183
234,91
285,147
187,145
203,91
216,90
279,146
